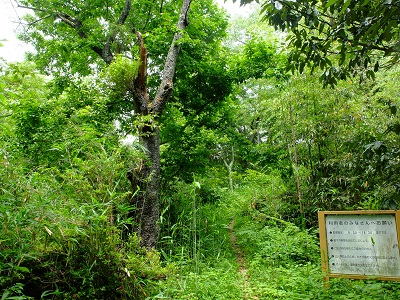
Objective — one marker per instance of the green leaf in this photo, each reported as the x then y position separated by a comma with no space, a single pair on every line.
370,74
345,6
21,269
321,27
376,67
365,2
301,66
5,295
331,2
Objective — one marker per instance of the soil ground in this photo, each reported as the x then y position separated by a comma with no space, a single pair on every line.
241,261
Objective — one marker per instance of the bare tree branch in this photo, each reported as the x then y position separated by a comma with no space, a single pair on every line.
104,52
166,86
125,13
107,55
139,85
33,8
39,20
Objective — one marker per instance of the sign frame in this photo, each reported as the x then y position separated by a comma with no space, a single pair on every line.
324,242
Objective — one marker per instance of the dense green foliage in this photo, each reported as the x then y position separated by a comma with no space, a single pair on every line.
344,38
232,224
145,51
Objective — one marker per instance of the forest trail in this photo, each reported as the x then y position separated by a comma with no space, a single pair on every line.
241,262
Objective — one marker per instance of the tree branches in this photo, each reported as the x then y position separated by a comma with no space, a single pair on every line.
166,86
357,33
76,23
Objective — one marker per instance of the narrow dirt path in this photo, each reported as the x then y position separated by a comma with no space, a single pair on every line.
241,262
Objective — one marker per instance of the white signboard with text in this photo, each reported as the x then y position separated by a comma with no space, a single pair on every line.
360,244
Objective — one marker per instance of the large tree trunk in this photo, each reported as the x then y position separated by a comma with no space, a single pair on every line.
146,179
145,182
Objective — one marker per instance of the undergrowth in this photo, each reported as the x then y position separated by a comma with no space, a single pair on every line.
282,260
63,236
64,232
284,263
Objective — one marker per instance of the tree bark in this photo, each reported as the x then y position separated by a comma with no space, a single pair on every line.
146,184
229,168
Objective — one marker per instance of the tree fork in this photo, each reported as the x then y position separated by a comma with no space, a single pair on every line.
148,184
147,178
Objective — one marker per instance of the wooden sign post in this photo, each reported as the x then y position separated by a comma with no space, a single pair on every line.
360,244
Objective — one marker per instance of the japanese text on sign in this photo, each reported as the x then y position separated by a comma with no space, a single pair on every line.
362,244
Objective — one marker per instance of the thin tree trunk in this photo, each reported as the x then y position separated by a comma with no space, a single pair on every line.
229,168
296,168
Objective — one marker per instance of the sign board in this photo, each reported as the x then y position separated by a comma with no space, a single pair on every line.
360,244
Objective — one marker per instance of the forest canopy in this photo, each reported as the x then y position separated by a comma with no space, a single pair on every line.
344,38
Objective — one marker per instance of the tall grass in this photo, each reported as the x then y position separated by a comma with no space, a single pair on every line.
62,237
62,232
283,260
